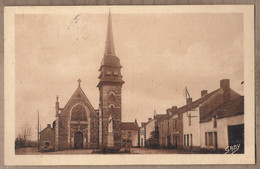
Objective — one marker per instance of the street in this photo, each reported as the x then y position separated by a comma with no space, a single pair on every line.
34,151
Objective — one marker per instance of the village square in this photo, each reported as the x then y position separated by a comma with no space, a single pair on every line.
211,123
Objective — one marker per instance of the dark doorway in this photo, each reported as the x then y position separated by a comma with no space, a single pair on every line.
169,141
236,136
78,140
216,140
176,141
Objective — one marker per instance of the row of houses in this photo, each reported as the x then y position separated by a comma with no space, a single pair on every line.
212,122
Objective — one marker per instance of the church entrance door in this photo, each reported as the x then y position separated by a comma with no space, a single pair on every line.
78,140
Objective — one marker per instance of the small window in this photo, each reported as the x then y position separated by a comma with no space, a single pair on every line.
108,73
210,139
116,73
189,120
111,106
46,144
214,122
162,127
190,139
112,96
206,139
184,140
129,134
187,140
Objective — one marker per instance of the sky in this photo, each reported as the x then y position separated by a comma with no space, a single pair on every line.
161,54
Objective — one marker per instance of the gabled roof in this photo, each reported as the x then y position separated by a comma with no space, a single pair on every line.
143,124
190,106
129,126
46,128
79,94
197,102
232,108
159,116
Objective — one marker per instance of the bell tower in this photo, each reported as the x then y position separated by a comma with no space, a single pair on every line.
110,85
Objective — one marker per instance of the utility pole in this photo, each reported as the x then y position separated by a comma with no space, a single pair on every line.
187,94
38,132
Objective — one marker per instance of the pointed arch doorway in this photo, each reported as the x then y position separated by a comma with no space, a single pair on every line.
78,140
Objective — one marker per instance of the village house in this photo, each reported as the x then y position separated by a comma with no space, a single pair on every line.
224,126
170,129
47,138
148,127
130,133
142,135
195,116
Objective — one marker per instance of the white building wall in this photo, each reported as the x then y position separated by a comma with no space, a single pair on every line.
142,137
221,129
149,128
194,128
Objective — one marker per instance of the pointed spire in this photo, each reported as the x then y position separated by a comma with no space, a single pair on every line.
79,81
109,49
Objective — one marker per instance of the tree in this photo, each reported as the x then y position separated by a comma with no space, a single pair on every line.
26,132
23,139
153,141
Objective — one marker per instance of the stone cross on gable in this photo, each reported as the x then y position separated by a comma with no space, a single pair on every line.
79,81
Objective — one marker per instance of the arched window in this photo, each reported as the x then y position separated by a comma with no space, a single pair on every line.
112,96
78,113
110,123
111,106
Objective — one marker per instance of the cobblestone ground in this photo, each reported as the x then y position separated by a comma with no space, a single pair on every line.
34,151
154,151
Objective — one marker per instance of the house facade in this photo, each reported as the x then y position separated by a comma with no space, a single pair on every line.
224,126
142,135
130,133
47,139
170,129
196,120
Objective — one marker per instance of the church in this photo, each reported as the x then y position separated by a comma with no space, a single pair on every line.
78,125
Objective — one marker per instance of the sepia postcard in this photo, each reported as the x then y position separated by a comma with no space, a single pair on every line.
129,85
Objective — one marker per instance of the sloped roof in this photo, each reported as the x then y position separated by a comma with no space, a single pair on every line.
143,124
79,94
46,128
197,102
190,106
159,116
232,108
129,126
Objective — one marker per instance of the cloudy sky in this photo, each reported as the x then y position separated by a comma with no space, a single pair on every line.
161,54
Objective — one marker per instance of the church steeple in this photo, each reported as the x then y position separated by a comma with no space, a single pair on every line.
110,86
109,49
110,65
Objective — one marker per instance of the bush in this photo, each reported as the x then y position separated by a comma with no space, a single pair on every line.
153,141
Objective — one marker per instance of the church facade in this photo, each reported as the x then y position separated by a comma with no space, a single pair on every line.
78,125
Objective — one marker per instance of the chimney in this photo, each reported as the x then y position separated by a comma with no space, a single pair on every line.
57,106
225,85
174,108
204,92
48,125
189,100
169,111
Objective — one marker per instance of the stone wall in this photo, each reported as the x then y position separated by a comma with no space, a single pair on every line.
111,105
